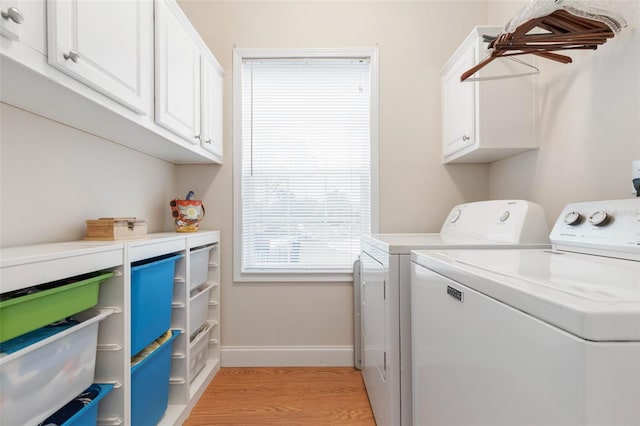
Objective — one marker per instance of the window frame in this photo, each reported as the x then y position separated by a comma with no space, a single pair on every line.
239,54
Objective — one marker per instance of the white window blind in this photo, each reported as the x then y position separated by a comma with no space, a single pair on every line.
306,166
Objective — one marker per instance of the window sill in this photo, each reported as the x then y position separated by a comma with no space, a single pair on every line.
291,277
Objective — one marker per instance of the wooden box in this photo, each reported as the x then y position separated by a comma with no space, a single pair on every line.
116,228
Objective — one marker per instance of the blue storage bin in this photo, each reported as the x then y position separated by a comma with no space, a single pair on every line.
151,293
150,385
88,415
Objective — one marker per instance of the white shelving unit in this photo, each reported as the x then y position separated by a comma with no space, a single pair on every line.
184,390
25,266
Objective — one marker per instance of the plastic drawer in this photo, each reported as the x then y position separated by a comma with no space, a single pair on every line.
199,351
199,266
41,378
23,314
150,385
151,293
198,308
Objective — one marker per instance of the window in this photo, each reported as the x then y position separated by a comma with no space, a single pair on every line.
304,145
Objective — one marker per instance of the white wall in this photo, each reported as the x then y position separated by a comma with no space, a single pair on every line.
415,38
588,123
53,177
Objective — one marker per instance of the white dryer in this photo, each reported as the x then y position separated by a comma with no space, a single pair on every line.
385,290
533,337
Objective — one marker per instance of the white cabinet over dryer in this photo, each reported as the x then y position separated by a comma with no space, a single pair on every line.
487,119
105,45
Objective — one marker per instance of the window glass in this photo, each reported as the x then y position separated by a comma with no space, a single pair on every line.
305,163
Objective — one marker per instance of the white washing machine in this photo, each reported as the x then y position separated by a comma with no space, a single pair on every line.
533,337
385,291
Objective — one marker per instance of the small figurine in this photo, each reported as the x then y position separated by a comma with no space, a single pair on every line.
187,213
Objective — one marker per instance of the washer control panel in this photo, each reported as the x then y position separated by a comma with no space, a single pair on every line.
505,221
610,228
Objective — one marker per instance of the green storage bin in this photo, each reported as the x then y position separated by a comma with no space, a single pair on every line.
23,314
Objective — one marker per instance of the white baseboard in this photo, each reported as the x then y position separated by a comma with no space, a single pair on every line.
286,356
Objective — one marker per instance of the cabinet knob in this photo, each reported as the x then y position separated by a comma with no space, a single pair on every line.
73,55
208,141
14,14
465,138
197,137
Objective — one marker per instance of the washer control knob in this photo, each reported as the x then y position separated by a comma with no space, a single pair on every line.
504,216
599,218
572,218
455,215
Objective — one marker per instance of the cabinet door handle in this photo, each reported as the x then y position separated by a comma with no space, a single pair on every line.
73,55
465,138
14,14
197,137
208,141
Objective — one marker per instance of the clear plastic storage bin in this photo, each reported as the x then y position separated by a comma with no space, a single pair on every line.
39,379
199,266
199,351
198,307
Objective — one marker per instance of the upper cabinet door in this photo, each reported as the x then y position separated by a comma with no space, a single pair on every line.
211,108
11,19
107,45
459,111
178,76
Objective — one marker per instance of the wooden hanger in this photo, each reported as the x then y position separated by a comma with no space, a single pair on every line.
563,31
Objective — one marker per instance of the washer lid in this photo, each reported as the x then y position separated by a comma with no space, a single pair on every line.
596,298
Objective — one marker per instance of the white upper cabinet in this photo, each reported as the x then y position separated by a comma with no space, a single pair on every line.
178,76
97,58
106,45
188,81
490,118
212,108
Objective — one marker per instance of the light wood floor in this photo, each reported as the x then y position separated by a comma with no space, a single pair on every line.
284,396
